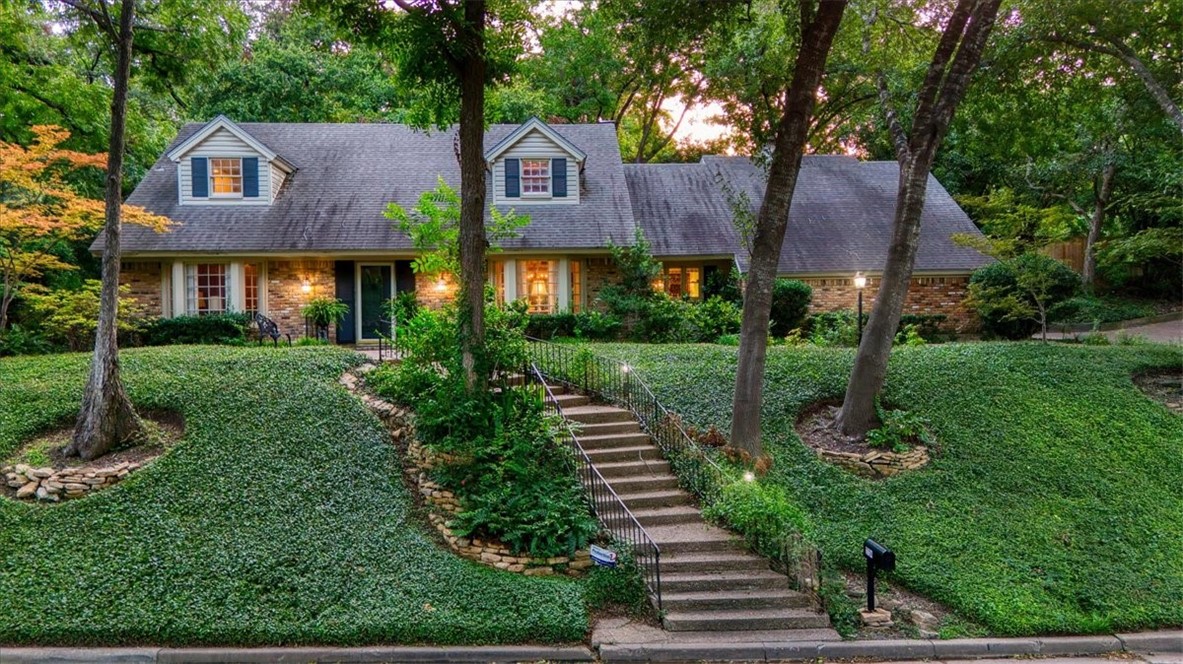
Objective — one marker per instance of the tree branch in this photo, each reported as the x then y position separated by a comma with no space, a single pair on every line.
899,138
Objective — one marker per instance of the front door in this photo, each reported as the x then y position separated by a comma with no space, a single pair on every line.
375,288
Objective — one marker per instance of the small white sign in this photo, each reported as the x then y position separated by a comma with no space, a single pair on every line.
603,557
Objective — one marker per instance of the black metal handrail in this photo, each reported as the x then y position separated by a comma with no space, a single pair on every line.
609,508
614,382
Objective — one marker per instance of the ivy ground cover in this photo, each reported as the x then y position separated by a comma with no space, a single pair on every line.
279,519
1055,503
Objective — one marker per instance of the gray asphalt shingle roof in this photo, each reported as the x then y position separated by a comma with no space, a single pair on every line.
347,173
840,221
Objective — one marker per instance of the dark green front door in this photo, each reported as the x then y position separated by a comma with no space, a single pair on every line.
375,291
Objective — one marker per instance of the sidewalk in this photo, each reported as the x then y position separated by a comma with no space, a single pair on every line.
1164,332
1161,647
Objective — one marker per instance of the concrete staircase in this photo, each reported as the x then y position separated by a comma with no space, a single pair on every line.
709,581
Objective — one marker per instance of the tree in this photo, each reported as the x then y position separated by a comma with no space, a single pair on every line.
818,23
40,213
445,54
1021,288
953,63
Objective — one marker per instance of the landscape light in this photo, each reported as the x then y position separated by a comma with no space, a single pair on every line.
749,476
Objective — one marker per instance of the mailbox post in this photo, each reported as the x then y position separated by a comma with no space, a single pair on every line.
878,558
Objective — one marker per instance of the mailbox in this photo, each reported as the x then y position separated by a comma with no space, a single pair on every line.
878,558
878,555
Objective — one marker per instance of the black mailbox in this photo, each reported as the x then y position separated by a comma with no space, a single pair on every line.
878,555
878,558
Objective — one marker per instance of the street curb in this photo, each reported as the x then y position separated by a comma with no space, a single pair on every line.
1077,328
371,655
896,649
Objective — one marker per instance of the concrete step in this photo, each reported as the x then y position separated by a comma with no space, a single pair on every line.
611,469
718,561
665,498
598,414
566,401
606,428
664,516
636,453
753,619
614,440
730,600
643,482
693,537
729,581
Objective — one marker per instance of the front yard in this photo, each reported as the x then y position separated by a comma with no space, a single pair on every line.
1055,503
280,518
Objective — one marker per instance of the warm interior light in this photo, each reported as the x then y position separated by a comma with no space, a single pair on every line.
306,287
749,476
860,281
441,285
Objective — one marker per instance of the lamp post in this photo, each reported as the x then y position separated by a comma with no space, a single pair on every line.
860,282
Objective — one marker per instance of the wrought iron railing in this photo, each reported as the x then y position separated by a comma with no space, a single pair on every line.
614,382
609,508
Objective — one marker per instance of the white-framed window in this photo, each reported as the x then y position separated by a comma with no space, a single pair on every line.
680,281
538,283
225,177
497,278
535,177
205,288
250,283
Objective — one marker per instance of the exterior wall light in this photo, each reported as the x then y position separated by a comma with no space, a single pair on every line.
306,287
441,285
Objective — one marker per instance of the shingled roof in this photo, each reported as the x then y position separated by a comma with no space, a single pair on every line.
840,221
347,173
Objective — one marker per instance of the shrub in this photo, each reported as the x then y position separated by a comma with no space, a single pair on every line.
930,327
549,326
724,285
17,340
596,326
714,318
1013,297
68,318
909,336
402,307
833,328
762,512
728,340
1089,309
898,430
620,588
790,305
210,329
324,311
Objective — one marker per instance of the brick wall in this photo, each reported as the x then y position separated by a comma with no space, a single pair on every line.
285,295
144,285
926,295
428,293
601,272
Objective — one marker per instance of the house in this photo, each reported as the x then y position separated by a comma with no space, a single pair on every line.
271,215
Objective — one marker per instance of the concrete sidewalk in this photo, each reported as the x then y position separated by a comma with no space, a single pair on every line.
305,655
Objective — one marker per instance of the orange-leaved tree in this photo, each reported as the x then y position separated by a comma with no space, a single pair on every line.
40,212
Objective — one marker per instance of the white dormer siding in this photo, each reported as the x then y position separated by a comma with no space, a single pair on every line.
277,176
219,144
536,145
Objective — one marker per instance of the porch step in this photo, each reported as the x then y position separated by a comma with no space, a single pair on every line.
712,562
607,428
747,619
723,600
639,483
663,516
597,414
611,469
606,441
654,499
764,579
636,453
566,401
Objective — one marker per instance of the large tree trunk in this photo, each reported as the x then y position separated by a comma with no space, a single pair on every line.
107,417
1100,205
473,242
791,136
954,61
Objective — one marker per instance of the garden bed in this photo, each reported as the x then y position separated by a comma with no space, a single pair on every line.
817,428
1165,387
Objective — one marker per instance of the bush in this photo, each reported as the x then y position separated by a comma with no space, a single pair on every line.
619,588
898,430
1007,295
17,340
728,340
596,326
790,305
724,285
68,319
1089,309
549,326
210,329
324,311
762,512
930,327
714,318
833,328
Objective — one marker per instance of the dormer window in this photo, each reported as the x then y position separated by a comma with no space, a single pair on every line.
225,176
536,177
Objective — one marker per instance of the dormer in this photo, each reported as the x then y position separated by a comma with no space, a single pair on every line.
534,165
222,164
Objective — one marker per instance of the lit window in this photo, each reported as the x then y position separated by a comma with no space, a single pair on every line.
497,278
576,287
225,177
205,289
538,283
682,282
250,275
535,177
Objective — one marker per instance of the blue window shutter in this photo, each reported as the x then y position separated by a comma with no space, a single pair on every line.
558,177
199,168
513,178
250,177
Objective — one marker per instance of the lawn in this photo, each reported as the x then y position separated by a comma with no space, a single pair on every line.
1054,505
279,519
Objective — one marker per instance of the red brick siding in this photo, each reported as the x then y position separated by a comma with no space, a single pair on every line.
143,280
285,294
926,295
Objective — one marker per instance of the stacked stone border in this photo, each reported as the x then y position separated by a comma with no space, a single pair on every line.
49,485
877,463
443,504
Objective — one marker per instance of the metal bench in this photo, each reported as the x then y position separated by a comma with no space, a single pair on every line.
269,328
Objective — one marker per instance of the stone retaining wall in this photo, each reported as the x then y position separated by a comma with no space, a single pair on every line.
444,504
47,484
877,463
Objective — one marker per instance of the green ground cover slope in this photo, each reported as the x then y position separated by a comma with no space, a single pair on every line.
1055,504
279,519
